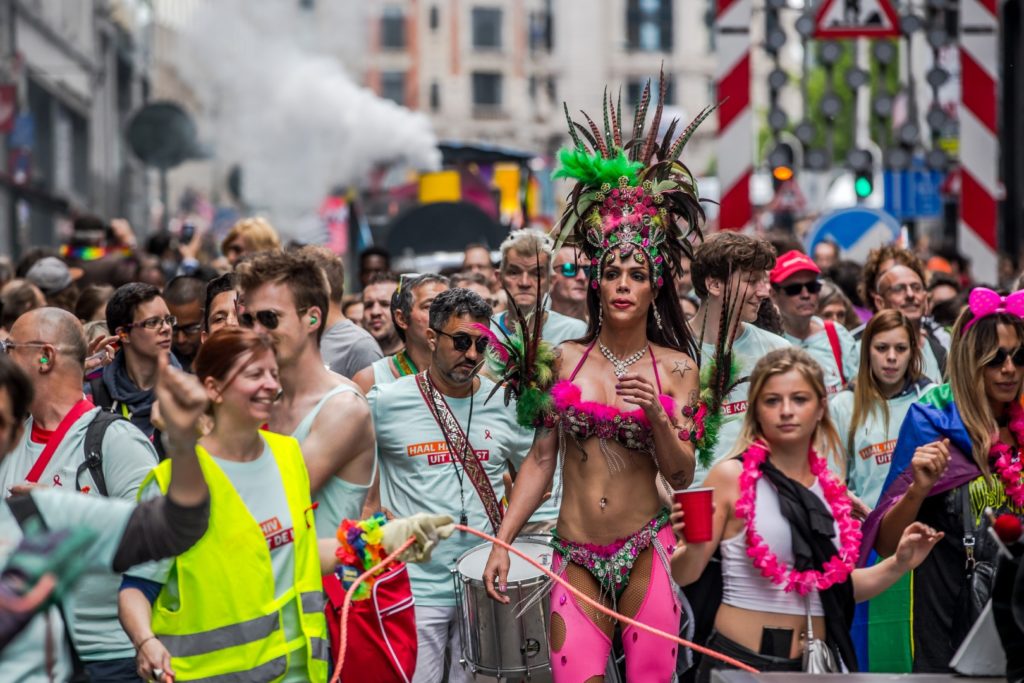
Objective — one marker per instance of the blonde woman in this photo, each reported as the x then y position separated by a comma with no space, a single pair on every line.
957,453
777,501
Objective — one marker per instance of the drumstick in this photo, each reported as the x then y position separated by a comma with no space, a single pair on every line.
565,584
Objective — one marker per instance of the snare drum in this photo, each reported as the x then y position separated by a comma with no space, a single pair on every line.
494,641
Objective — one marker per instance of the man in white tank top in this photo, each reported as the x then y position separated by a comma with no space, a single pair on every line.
410,310
285,297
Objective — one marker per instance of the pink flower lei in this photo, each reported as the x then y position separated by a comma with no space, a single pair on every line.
837,569
1007,460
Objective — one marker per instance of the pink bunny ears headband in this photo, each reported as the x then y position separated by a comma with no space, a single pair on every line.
983,302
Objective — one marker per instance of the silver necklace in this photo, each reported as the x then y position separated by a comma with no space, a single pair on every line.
620,365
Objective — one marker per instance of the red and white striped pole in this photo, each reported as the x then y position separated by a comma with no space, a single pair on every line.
980,187
735,144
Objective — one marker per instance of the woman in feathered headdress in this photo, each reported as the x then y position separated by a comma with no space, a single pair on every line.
624,407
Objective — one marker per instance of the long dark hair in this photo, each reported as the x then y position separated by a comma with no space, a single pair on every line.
674,332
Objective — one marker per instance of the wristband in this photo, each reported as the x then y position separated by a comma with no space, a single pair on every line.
143,642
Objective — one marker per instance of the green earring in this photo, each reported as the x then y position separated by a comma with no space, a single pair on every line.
44,360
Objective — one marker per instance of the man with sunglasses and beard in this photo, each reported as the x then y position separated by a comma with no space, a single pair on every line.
285,296
795,286
569,286
443,447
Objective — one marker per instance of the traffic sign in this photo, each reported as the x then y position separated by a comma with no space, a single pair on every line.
857,231
914,193
857,19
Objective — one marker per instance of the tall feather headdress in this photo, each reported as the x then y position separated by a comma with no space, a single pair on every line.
633,195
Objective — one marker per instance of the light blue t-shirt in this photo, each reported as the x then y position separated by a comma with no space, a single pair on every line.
750,345
338,499
867,465
417,473
820,349
557,328
259,484
128,457
24,658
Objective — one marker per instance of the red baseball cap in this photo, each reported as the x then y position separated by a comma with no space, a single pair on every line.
791,263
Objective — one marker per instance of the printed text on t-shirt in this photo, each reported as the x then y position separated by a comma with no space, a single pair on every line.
437,452
276,535
881,452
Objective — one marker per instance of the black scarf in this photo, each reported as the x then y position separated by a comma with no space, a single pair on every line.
812,527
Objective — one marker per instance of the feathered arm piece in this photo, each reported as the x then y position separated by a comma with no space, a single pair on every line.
524,365
713,403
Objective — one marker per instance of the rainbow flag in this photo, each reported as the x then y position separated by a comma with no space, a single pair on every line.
883,627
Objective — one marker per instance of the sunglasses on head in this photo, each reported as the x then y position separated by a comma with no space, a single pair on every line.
570,269
813,287
1015,355
462,341
267,319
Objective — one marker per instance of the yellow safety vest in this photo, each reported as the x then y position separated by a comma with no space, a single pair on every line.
228,621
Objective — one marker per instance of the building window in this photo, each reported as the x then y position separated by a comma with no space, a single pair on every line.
635,86
392,28
649,25
392,86
435,17
435,97
487,91
487,28
541,32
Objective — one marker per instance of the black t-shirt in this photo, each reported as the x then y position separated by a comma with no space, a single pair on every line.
941,577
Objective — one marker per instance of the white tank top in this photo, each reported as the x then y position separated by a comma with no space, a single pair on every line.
742,583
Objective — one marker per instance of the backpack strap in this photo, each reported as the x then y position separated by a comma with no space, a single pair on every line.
94,451
837,350
101,396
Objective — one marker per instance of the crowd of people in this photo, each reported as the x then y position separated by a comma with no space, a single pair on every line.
183,433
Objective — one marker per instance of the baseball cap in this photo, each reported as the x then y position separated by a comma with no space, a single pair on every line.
51,275
791,263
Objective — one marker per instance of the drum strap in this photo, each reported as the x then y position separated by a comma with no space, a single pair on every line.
460,448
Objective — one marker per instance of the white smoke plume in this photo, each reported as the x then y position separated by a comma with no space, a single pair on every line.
279,102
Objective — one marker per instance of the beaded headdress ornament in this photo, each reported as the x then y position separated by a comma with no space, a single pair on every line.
636,196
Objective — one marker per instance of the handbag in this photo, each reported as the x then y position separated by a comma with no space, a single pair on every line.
979,575
818,657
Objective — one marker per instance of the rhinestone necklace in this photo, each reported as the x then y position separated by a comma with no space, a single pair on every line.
620,365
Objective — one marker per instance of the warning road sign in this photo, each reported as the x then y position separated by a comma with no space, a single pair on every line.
857,19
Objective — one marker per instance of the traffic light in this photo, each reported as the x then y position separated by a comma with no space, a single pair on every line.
782,161
862,163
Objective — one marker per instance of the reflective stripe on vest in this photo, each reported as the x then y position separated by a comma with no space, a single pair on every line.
269,671
226,623
224,637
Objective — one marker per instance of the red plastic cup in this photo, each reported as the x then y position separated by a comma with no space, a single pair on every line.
697,513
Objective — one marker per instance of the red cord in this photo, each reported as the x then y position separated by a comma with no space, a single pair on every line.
565,584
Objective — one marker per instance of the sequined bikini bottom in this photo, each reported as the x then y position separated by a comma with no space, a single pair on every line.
611,564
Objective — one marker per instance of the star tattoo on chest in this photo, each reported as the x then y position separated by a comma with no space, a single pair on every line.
682,367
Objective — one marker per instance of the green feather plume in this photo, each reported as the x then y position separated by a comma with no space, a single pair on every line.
593,169
714,418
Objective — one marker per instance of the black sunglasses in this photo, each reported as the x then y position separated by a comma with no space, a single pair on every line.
1017,356
813,287
268,319
462,341
570,269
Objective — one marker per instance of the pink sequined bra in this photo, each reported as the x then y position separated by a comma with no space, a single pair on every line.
584,419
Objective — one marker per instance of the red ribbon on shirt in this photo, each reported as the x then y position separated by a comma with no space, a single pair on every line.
77,411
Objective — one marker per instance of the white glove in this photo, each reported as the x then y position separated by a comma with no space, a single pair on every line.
428,529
